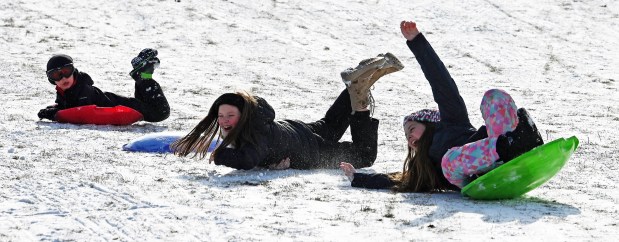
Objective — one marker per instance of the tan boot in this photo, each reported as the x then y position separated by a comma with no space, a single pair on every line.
360,79
359,90
392,64
365,67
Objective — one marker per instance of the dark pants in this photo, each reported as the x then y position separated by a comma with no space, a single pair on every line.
361,152
149,101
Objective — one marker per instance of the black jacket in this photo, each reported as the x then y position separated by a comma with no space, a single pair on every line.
276,140
82,93
454,129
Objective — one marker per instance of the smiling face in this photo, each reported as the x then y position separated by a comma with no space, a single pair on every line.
66,82
413,131
227,118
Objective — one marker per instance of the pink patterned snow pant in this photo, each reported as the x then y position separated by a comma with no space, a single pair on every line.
461,163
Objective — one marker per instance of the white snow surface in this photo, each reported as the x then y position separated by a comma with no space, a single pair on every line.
64,182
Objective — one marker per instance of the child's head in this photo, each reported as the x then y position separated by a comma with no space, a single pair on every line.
229,115
229,107
415,126
418,173
60,71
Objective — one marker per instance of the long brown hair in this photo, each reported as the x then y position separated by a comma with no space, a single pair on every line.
418,174
200,138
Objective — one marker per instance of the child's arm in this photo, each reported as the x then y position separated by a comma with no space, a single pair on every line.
372,181
444,88
364,180
244,158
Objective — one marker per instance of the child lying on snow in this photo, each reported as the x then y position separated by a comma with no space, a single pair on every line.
75,88
445,152
252,138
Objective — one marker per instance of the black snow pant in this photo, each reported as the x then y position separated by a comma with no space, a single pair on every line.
361,152
149,100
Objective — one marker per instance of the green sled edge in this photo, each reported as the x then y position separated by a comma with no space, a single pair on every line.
523,173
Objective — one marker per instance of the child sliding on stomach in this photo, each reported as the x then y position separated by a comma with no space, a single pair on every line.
75,88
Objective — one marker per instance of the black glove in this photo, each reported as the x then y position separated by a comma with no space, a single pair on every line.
48,113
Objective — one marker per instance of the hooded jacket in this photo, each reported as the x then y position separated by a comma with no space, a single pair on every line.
82,93
276,140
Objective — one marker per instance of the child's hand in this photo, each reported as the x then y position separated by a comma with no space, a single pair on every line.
211,158
48,113
282,165
409,29
348,170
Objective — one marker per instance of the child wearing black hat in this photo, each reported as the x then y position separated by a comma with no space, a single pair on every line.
75,88
445,152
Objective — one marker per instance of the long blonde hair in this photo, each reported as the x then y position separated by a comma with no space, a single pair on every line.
200,138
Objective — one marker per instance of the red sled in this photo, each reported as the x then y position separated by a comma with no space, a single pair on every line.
91,114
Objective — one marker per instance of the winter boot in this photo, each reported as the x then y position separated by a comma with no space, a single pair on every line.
360,79
367,67
392,64
524,138
360,96
148,90
144,64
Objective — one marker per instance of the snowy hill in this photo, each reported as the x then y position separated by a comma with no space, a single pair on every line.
557,58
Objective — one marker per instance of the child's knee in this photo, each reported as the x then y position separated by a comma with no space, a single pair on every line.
447,162
496,98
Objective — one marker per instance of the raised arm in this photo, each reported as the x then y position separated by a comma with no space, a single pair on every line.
444,89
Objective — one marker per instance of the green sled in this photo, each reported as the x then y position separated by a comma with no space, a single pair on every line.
524,173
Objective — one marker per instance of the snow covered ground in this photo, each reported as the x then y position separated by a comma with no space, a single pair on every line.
60,182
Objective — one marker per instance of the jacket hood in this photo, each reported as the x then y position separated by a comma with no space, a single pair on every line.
264,113
82,78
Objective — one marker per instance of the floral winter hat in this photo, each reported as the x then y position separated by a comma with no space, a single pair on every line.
424,115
